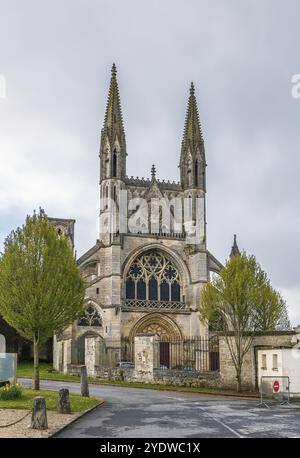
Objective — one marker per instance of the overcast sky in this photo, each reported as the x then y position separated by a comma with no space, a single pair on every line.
56,57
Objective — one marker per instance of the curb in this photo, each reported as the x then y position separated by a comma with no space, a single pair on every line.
80,415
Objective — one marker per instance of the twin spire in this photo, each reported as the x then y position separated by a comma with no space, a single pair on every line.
192,143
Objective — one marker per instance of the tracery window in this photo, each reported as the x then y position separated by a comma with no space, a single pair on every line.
91,317
153,277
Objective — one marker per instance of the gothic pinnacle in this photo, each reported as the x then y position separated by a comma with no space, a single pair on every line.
235,249
113,69
192,89
113,134
192,134
153,171
113,122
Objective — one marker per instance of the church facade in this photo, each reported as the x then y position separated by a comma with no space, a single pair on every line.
146,270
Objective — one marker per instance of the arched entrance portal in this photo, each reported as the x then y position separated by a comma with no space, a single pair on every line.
162,326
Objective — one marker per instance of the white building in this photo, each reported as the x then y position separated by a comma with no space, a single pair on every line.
281,362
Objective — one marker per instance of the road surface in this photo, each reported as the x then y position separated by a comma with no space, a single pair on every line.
137,412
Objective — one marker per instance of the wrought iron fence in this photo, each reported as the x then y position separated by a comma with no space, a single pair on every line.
195,354
110,352
192,354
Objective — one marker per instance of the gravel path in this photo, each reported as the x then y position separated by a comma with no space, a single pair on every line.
22,429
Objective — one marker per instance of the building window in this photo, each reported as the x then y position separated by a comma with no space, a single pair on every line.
172,218
196,173
91,317
114,164
264,362
153,277
275,362
97,290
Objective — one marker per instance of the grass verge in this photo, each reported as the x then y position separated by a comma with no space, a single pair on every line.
48,373
78,403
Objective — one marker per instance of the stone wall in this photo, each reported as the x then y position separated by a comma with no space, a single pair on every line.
105,373
160,377
188,379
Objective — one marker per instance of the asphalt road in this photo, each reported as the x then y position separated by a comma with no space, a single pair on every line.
134,412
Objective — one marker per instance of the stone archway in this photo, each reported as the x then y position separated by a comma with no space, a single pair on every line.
156,323
165,328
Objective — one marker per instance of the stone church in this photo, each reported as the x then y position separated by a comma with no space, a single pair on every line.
146,270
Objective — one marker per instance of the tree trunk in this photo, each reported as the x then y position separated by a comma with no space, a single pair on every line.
239,379
36,364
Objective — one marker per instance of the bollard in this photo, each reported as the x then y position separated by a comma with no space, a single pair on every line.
63,405
39,413
84,382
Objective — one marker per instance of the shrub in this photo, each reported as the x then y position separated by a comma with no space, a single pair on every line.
10,391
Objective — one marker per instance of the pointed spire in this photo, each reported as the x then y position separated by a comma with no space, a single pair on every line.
113,143
192,134
235,249
153,171
113,121
192,158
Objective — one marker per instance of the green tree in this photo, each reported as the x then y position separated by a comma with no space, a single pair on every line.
238,303
273,313
41,288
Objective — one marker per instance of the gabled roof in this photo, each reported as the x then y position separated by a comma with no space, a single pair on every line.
89,253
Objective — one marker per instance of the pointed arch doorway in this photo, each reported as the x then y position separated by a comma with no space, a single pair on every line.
162,326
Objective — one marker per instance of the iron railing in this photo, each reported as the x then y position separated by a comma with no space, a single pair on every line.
189,354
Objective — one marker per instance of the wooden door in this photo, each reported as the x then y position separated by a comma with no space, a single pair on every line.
164,355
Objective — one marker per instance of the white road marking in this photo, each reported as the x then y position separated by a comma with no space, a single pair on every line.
220,422
212,417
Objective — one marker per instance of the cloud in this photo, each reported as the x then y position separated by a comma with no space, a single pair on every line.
292,297
56,59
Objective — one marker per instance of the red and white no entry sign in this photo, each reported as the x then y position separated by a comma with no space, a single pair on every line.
276,386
